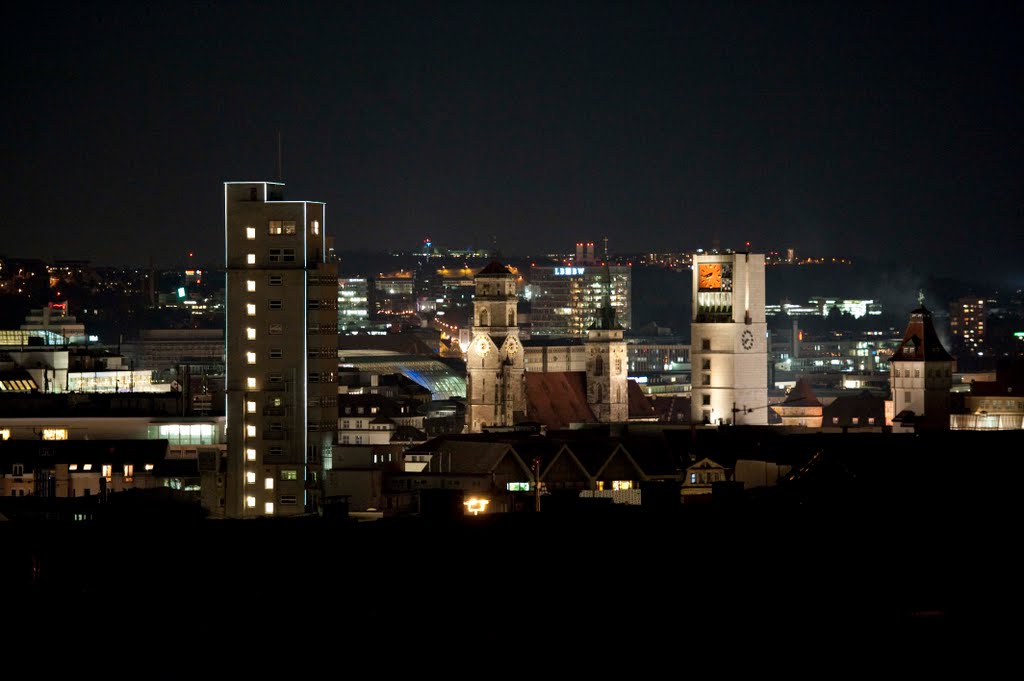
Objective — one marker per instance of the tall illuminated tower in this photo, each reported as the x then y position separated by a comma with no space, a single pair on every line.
495,387
728,340
281,346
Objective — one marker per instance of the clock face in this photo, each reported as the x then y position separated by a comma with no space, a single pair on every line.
709,277
482,346
747,339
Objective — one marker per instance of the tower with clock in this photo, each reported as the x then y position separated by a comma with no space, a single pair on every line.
495,387
728,340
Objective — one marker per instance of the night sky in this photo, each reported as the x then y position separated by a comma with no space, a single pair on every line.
872,130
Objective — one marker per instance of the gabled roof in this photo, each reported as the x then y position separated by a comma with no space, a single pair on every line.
640,406
494,267
920,342
802,395
557,398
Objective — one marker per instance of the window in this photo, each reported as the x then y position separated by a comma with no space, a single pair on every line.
18,469
275,353
5,434
250,232
268,483
279,227
313,304
250,285
706,365
275,451
250,309
705,400
282,255
250,258
250,454
288,500
275,378
108,471
250,406
835,420
314,377
250,357
314,227
250,333
917,373
274,280
693,478
276,427
129,472
250,502
55,433
250,477
275,329
250,382
871,420
274,304
705,379
250,430
705,344
268,508
289,474
856,420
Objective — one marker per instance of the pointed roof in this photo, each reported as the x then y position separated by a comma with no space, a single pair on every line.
494,267
802,395
920,342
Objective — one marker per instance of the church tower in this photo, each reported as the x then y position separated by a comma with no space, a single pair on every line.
728,340
607,365
922,375
495,387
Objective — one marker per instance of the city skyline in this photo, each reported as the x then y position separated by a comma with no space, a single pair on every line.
873,131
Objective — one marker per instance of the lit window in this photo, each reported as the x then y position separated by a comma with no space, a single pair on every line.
149,466
250,357
129,472
5,434
250,309
87,467
54,434
73,467
314,227
622,484
108,471
268,483
250,285
250,232
251,258
250,407
250,430
250,454
251,382
693,478
250,477
268,508
250,333
289,474
250,502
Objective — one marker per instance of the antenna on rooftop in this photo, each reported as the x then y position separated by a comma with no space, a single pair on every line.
280,171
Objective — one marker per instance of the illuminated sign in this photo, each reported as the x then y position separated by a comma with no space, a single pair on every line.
569,271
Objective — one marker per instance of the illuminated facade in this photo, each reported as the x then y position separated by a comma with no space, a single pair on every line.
728,340
281,351
565,300
922,376
353,304
967,324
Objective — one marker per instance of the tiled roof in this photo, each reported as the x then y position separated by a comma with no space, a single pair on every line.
802,395
557,398
920,342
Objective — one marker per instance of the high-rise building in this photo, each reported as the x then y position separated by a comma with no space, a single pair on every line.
353,304
728,340
281,350
967,324
565,301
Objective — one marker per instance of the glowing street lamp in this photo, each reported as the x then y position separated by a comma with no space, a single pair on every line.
476,506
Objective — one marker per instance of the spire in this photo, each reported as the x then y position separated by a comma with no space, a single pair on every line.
606,313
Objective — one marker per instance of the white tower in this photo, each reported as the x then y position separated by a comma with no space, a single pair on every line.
495,387
728,340
922,375
281,345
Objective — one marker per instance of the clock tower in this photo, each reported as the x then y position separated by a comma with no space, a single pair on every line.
728,340
921,375
495,387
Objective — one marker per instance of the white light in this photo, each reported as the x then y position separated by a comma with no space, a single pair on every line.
251,258
268,508
251,382
268,483
250,477
250,357
250,454
250,407
250,502
250,232
250,309
250,333
250,431
250,285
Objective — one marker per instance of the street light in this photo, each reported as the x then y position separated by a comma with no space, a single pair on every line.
475,505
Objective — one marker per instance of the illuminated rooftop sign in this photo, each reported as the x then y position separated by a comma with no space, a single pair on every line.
569,271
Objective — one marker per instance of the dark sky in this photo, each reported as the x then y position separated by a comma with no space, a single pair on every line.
873,130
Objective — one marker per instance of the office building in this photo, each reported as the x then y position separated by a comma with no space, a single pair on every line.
566,300
281,351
